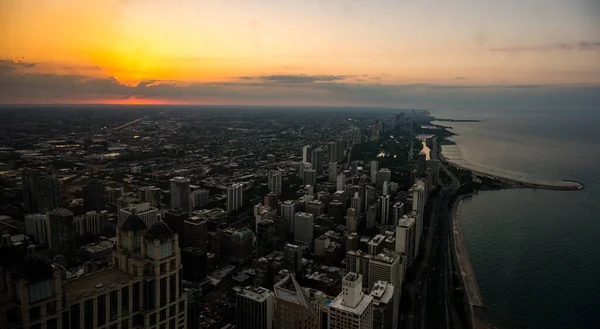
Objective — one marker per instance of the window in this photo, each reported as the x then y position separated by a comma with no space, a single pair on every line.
163,268
74,317
149,297
166,250
52,324
172,285
172,310
163,292
150,250
181,306
125,324
163,315
51,307
114,303
101,302
34,313
40,290
172,265
152,319
136,296
125,301
65,321
172,323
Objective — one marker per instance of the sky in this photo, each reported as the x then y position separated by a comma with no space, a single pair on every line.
391,53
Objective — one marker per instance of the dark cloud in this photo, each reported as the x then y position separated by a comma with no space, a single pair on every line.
10,65
295,78
582,45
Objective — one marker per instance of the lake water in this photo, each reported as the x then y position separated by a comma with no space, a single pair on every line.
536,253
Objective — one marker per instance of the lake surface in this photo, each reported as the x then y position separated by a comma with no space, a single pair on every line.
536,253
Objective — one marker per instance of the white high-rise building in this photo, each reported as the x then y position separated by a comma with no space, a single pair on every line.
35,226
254,308
351,309
303,227
180,194
92,222
234,197
288,209
385,209
307,153
406,239
340,182
274,181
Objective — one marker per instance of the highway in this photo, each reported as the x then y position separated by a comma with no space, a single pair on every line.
430,288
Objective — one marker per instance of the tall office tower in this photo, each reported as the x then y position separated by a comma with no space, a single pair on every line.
293,309
340,146
254,308
303,227
60,231
93,196
318,160
148,214
310,177
385,210
152,195
398,211
194,232
180,194
406,239
354,168
237,246
385,188
337,210
351,309
200,198
422,162
113,194
274,181
340,182
138,250
374,166
292,258
418,206
383,175
265,232
370,196
356,203
35,226
385,305
234,197
41,191
332,153
358,261
175,219
303,166
288,209
92,223
386,266
333,172
307,153
351,220
371,216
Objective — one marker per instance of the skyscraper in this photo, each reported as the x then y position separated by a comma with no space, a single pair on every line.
385,209
152,195
274,181
303,227
351,220
292,258
307,153
41,191
383,175
340,182
194,232
148,214
293,309
385,305
333,171
200,198
318,160
35,226
254,308
406,239
180,194
310,177
332,153
61,231
91,223
422,162
288,209
175,218
386,266
234,197
356,203
351,309
93,196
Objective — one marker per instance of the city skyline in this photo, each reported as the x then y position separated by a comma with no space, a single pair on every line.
395,53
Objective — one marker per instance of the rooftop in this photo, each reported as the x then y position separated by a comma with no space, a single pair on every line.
258,294
359,309
383,291
87,284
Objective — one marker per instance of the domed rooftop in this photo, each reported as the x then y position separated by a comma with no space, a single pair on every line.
159,231
133,223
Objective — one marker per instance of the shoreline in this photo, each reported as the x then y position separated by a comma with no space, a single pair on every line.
467,272
573,185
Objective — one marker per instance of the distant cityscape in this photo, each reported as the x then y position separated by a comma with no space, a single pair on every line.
168,217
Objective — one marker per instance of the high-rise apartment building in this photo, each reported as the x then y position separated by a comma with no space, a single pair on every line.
152,195
292,258
180,194
318,160
333,171
358,261
386,266
61,231
254,308
332,153
310,177
422,162
195,230
307,153
340,182
383,175
287,210
93,196
91,223
35,226
293,309
406,239
200,198
275,179
175,218
386,305
351,309
234,197
351,220
398,211
41,191
385,210
303,227
142,209
356,203
113,194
